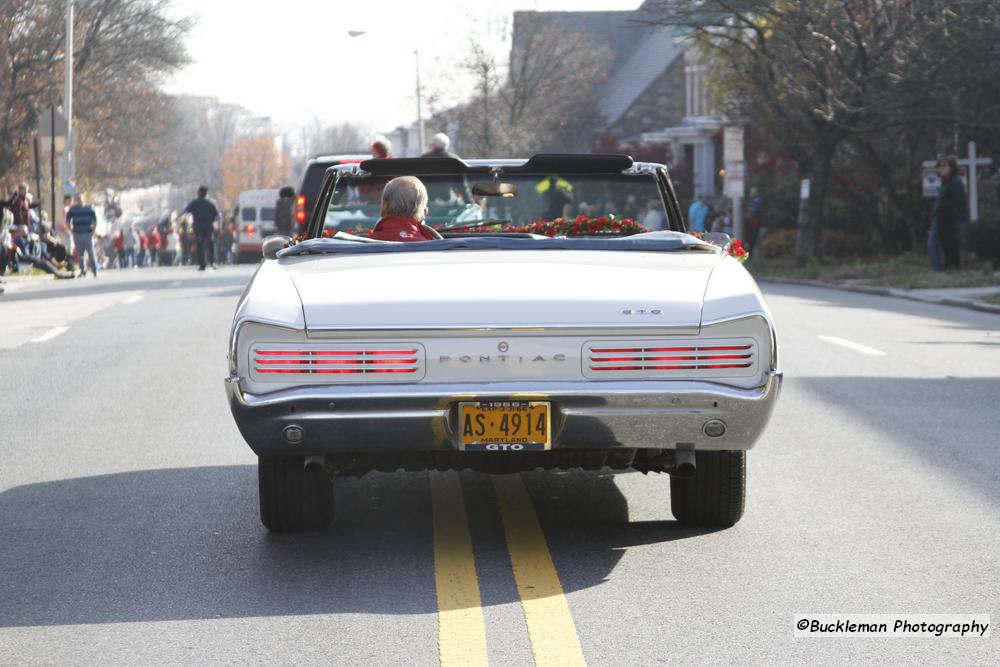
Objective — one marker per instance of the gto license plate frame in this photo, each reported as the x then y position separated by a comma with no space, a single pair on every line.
504,426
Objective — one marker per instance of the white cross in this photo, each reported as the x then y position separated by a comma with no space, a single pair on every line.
970,163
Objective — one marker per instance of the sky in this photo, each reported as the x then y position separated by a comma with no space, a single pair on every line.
294,62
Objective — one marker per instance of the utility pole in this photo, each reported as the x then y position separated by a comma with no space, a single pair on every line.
420,115
420,111
733,184
69,157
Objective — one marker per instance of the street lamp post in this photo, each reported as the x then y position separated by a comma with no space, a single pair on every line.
420,112
420,116
69,157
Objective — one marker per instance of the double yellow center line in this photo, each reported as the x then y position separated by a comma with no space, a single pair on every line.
462,630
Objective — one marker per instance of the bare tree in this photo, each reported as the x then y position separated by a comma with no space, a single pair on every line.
119,45
543,98
342,138
250,163
809,76
200,131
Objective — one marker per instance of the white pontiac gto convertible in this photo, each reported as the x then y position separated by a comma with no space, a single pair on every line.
564,320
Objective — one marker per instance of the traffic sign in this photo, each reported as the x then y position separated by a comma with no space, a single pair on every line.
931,182
51,123
734,181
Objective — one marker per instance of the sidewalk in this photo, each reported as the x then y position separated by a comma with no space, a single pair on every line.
962,297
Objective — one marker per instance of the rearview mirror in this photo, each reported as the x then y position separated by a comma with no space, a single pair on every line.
272,244
490,189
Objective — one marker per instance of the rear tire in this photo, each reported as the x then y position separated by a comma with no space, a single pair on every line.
715,495
292,496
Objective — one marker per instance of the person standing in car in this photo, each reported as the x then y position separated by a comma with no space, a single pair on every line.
439,146
204,216
381,147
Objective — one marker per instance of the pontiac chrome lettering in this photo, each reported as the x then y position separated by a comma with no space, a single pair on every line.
501,358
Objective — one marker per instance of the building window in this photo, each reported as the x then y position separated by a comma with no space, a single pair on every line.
695,105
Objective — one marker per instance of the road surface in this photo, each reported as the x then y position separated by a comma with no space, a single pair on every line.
129,530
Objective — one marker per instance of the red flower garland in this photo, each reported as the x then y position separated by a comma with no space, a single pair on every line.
734,248
582,225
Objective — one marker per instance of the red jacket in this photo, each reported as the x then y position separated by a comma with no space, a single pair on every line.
400,228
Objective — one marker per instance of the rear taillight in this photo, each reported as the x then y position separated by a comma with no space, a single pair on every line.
357,362
249,230
300,209
666,359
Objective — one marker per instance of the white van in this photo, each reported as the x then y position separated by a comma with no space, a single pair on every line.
254,222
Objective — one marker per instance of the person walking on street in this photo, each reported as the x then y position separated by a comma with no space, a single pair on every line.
204,216
951,209
83,222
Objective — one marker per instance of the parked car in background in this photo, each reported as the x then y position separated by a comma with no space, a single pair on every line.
312,179
254,221
532,335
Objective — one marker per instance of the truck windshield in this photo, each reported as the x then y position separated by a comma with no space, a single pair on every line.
548,204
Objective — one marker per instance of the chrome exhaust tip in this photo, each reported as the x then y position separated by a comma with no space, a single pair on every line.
684,463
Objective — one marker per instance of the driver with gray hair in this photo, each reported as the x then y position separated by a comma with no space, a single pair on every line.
404,207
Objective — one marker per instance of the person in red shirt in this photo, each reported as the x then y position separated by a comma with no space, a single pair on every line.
404,207
153,244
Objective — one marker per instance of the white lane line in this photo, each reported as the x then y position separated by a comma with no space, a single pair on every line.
851,345
176,283
133,298
50,334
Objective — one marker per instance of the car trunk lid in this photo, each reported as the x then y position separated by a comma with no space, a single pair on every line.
502,289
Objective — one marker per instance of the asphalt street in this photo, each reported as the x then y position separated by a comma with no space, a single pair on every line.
129,531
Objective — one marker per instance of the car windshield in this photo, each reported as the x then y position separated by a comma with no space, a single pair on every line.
548,204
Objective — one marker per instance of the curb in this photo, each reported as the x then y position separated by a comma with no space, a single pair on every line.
16,279
968,304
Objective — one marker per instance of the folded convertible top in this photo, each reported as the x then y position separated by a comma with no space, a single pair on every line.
651,242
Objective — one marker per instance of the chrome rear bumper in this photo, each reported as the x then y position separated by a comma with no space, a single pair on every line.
421,418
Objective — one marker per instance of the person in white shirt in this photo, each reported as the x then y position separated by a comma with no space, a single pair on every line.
173,243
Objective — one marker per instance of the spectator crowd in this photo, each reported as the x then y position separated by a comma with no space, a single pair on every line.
78,243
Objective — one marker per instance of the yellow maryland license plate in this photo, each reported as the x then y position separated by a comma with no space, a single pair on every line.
504,426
